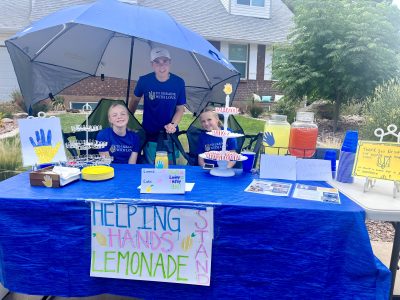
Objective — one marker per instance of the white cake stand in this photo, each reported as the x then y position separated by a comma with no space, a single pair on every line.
222,170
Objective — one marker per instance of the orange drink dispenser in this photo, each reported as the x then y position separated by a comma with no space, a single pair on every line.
276,135
303,135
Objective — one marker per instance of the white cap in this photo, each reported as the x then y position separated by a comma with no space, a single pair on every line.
159,52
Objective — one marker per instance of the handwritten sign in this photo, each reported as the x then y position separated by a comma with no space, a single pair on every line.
41,140
163,181
154,243
378,160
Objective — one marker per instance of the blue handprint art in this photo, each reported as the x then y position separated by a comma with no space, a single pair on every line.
269,139
41,140
43,148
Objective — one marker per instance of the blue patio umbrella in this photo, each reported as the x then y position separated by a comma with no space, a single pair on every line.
113,39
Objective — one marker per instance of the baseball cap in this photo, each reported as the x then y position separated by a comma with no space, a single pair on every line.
159,52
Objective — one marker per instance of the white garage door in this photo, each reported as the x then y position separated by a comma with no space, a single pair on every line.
8,81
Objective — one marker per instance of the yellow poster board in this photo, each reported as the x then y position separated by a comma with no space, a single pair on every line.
378,160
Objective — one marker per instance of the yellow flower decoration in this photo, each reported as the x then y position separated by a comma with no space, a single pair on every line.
228,88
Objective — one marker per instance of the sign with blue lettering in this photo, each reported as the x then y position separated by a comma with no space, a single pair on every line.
154,243
163,181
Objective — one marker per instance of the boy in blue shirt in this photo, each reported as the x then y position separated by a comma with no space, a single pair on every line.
164,99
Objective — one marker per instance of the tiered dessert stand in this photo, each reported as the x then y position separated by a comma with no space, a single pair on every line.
223,157
87,144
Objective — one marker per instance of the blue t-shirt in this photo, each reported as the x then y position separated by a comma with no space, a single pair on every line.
213,143
160,100
119,147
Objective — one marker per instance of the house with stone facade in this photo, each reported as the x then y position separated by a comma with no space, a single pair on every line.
245,31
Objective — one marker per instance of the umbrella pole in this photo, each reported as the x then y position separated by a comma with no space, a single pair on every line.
130,71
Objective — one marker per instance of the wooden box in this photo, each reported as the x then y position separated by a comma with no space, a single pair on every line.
45,177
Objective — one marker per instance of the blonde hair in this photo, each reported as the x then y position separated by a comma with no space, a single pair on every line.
216,116
113,106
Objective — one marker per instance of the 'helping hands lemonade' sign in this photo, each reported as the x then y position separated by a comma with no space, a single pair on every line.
378,160
155,243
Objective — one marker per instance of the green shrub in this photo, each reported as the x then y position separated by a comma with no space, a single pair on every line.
255,110
382,109
286,107
43,106
18,100
58,103
10,153
351,109
8,108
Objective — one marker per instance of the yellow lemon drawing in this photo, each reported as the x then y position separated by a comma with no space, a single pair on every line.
187,242
101,238
148,189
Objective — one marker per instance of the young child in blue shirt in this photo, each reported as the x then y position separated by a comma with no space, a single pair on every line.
209,121
123,145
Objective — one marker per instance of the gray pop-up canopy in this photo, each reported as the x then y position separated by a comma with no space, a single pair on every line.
114,39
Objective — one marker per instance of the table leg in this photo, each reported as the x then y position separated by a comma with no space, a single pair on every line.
394,260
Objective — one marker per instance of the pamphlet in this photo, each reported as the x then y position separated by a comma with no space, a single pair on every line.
316,193
269,187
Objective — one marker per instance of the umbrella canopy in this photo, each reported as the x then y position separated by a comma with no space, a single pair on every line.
114,38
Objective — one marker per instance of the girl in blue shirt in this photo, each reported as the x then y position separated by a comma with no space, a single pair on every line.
123,145
209,121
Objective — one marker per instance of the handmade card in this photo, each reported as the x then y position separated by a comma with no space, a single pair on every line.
163,181
41,141
154,243
378,160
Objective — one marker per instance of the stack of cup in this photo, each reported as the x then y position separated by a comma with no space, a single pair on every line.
331,156
347,157
249,162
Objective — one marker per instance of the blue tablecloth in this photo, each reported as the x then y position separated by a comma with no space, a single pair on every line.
264,247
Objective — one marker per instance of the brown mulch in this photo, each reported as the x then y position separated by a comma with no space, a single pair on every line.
380,231
7,127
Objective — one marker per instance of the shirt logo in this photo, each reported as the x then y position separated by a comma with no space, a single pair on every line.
152,95
112,149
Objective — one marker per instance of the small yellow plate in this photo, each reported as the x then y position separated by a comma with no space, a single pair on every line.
97,173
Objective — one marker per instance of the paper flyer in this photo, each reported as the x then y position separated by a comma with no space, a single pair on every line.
269,187
316,193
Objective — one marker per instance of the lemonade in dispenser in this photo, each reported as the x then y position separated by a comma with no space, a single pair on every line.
303,135
276,135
